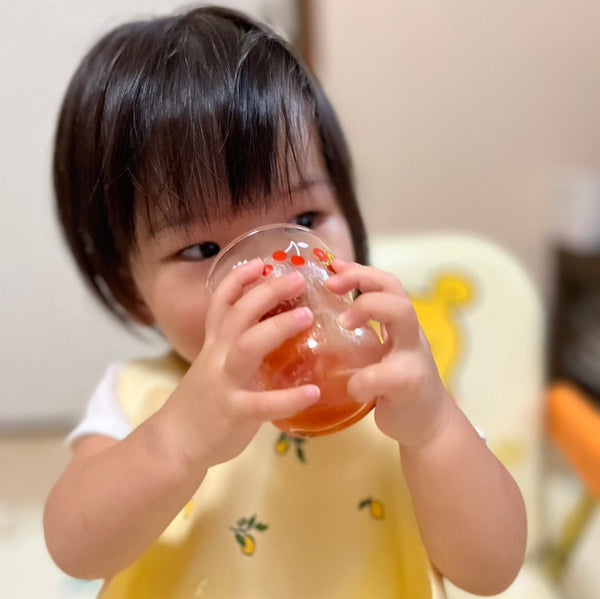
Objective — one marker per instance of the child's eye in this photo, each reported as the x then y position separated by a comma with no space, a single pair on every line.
306,219
201,251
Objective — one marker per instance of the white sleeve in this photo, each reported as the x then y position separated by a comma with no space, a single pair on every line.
104,415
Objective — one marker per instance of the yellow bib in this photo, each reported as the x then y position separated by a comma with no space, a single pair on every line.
326,517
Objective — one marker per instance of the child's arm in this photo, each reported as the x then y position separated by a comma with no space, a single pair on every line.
115,498
469,509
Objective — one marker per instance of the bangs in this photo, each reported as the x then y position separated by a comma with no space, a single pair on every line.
197,116
215,142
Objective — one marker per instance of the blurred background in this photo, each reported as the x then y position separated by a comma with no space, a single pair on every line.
460,115
463,116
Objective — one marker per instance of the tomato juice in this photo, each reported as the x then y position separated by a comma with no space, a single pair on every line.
325,355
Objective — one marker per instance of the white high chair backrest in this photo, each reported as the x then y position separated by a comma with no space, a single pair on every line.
484,321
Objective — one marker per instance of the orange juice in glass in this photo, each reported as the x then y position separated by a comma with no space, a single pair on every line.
326,354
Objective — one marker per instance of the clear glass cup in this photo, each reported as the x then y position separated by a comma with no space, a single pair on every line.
326,354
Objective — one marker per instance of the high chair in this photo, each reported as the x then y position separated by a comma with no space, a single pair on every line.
486,326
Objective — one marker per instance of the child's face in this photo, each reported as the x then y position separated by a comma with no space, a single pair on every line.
170,266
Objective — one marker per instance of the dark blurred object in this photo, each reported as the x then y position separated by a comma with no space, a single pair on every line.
306,26
575,325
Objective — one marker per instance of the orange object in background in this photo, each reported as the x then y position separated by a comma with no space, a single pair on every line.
574,425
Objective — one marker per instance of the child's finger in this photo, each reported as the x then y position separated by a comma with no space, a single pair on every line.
351,276
231,289
280,403
262,299
236,307
340,265
250,348
403,377
394,311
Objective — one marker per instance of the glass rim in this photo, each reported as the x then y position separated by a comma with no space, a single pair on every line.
221,255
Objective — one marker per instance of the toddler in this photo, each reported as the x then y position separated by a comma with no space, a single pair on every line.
176,135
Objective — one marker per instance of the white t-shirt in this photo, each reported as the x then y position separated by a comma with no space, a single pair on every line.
104,415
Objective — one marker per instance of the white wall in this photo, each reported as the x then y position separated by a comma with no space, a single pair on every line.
56,341
460,114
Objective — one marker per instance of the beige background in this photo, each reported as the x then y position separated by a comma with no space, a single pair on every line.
464,115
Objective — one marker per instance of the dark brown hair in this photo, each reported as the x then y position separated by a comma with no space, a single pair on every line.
194,114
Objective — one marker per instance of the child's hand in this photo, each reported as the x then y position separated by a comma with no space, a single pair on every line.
219,405
411,399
